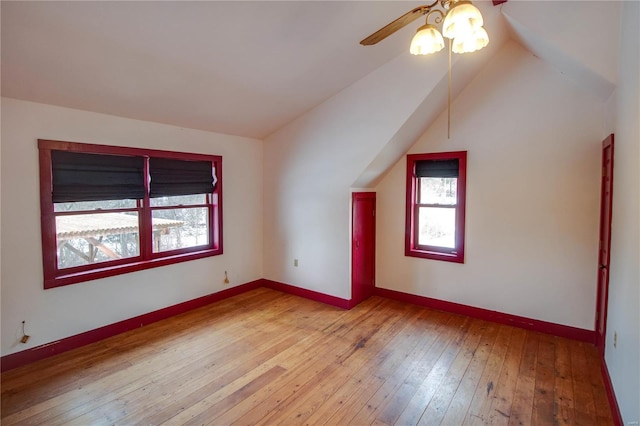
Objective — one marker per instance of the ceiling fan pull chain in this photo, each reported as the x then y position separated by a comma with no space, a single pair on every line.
449,96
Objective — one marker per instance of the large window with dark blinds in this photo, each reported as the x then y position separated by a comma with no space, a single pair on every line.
109,210
436,206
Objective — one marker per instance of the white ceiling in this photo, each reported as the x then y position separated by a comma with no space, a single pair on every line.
248,68
562,34
238,67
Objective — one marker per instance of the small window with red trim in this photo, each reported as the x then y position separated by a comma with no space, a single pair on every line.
110,210
436,185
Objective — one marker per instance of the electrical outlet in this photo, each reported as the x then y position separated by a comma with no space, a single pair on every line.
295,262
615,339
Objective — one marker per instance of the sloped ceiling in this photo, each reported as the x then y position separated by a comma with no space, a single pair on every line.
579,39
238,67
249,67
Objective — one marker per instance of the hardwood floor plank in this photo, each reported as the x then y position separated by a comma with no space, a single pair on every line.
543,394
185,389
585,407
206,412
459,406
433,369
563,387
315,394
435,411
362,346
363,365
127,375
522,406
417,371
603,410
130,348
217,345
210,388
391,359
291,362
268,358
506,386
479,409
417,343
303,366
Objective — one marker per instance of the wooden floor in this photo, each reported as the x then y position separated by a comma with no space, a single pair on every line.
268,358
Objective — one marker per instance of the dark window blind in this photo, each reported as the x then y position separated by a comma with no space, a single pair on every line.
180,177
437,168
96,177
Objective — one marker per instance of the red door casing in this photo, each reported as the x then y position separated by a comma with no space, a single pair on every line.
363,246
604,254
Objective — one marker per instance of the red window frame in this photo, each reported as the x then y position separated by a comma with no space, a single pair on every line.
55,277
412,248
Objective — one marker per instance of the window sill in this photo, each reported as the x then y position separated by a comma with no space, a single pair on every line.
109,271
435,255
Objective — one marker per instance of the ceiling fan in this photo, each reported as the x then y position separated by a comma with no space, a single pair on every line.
461,22
394,26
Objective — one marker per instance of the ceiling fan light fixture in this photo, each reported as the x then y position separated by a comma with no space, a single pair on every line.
426,41
475,41
461,23
462,19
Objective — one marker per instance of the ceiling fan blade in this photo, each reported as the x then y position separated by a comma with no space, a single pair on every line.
394,26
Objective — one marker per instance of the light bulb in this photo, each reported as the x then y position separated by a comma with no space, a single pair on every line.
461,20
427,40
470,43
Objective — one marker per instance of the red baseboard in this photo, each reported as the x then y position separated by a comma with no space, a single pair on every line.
28,356
308,294
487,315
611,395
34,354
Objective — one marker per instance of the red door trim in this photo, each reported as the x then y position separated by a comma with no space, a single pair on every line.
355,296
603,294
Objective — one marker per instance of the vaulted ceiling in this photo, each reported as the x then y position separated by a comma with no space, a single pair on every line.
249,67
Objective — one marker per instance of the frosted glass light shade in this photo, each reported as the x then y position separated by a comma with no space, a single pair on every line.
475,41
426,41
463,18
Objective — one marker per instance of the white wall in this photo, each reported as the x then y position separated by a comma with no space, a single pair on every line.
533,141
623,361
311,163
61,312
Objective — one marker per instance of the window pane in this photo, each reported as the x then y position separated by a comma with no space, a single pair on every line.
178,200
438,191
437,226
99,237
180,228
94,205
